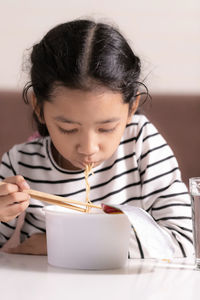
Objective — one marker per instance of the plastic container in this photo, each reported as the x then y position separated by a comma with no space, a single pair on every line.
86,240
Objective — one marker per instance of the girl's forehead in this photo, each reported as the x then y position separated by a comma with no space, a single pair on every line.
94,94
98,98
94,105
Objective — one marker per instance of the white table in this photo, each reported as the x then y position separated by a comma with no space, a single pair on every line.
30,277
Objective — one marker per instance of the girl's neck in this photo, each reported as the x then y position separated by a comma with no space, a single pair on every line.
60,160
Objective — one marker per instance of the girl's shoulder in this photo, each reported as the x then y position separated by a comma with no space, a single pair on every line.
137,124
138,120
139,130
30,147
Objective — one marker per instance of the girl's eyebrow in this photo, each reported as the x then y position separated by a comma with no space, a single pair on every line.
65,120
108,121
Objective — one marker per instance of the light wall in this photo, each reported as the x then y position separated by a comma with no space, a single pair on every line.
164,33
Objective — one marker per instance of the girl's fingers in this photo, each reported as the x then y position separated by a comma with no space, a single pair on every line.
13,198
8,188
19,181
11,212
13,205
18,208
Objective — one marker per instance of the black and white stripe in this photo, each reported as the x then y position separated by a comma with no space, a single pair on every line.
142,172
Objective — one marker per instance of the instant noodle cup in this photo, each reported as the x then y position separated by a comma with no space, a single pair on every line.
77,240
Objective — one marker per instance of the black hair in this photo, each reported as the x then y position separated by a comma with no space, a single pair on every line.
82,54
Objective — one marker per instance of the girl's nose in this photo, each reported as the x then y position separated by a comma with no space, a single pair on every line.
88,145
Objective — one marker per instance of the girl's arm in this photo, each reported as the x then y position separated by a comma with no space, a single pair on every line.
12,199
34,238
163,194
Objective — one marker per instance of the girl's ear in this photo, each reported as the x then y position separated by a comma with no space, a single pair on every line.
36,108
133,108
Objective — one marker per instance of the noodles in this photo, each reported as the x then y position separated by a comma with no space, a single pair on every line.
87,172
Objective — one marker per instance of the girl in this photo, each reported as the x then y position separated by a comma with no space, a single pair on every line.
85,92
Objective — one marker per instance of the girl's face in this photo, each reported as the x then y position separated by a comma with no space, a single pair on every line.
85,127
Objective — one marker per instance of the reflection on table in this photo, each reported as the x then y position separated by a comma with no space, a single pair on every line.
31,277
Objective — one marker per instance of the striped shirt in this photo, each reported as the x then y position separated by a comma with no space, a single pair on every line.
142,172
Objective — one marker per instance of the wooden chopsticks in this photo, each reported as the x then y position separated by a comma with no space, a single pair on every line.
53,199
57,200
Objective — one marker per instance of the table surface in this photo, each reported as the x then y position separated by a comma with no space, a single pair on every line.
31,277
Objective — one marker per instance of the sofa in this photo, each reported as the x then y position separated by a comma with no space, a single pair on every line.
177,117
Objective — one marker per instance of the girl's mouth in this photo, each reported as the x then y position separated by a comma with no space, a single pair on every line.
93,163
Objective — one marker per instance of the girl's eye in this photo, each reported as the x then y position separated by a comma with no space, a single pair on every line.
69,131
106,130
74,130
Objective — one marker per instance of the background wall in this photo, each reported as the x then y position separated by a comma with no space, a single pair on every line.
165,34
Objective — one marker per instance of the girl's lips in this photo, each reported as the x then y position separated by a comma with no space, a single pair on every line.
94,164
88,163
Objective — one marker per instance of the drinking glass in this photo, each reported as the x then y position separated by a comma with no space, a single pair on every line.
194,184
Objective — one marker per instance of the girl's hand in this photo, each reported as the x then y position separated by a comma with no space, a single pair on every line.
13,200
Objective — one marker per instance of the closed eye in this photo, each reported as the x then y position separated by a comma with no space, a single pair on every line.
68,131
74,130
106,130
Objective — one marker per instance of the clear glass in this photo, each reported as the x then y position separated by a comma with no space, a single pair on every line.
194,184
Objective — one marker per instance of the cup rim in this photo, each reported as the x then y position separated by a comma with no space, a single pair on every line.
49,210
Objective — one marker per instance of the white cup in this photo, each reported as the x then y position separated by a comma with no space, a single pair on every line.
78,240
195,193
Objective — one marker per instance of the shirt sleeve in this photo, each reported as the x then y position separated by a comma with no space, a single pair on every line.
163,194
34,221
6,228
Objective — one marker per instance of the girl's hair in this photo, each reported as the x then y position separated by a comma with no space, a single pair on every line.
82,55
